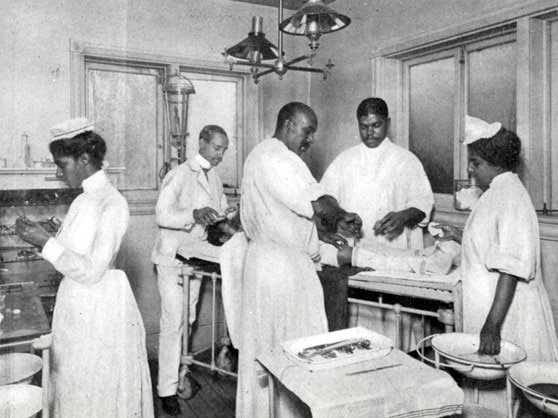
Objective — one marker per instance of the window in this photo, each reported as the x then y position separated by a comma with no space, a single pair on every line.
121,92
477,76
507,72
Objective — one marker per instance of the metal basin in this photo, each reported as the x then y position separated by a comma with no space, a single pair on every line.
18,368
459,350
20,401
536,372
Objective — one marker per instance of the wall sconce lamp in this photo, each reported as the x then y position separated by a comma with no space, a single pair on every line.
313,19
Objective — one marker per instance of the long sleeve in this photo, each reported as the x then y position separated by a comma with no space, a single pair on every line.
90,237
169,214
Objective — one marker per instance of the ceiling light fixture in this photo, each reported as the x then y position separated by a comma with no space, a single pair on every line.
312,20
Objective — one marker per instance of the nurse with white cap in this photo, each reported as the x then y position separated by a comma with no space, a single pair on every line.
503,293
99,361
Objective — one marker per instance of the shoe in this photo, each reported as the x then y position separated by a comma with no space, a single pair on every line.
170,405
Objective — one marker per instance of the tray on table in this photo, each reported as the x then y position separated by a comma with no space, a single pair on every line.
338,348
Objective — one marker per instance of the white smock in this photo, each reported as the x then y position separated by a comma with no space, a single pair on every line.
375,181
99,362
282,295
502,235
185,188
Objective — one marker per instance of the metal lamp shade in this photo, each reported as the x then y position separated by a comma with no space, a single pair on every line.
255,47
314,18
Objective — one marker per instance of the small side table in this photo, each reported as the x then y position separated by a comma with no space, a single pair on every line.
393,385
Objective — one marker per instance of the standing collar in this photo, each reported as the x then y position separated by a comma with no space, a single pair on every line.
203,163
94,181
385,145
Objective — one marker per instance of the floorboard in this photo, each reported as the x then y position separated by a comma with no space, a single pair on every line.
216,398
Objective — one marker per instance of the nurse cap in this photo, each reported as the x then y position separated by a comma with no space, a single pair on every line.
476,129
71,127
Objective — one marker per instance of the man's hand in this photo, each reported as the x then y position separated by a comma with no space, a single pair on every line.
207,216
350,223
391,225
31,232
337,240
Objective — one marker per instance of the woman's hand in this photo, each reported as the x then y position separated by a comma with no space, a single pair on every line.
503,296
489,340
31,232
450,233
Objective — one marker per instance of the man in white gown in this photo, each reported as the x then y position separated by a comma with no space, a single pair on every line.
191,197
384,183
282,296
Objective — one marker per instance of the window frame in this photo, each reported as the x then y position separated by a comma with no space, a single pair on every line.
530,28
142,201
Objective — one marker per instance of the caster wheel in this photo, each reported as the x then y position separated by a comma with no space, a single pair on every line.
188,388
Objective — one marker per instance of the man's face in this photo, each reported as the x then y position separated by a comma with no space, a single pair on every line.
301,130
214,150
373,129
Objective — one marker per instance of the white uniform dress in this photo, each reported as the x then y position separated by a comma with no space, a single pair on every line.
502,235
375,181
185,188
99,356
282,295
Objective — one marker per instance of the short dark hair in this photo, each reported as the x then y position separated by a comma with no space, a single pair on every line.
372,105
208,130
89,143
502,150
290,110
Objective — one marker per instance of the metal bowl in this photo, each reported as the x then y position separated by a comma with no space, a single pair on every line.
459,350
20,401
532,372
19,368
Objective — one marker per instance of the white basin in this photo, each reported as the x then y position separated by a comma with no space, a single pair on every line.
459,350
530,373
18,367
20,401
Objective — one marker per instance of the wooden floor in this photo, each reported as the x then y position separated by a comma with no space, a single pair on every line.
216,398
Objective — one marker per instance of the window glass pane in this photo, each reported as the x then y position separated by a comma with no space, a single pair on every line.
491,84
215,103
123,103
431,120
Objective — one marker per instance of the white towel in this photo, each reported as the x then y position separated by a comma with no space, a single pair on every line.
231,261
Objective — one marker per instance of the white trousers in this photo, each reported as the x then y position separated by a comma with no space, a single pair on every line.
171,325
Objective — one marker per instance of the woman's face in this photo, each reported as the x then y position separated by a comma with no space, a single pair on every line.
70,170
481,170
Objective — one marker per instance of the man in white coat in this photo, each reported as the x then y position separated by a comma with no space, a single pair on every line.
382,182
282,298
191,198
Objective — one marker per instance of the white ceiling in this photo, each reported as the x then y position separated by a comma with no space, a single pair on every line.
287,4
